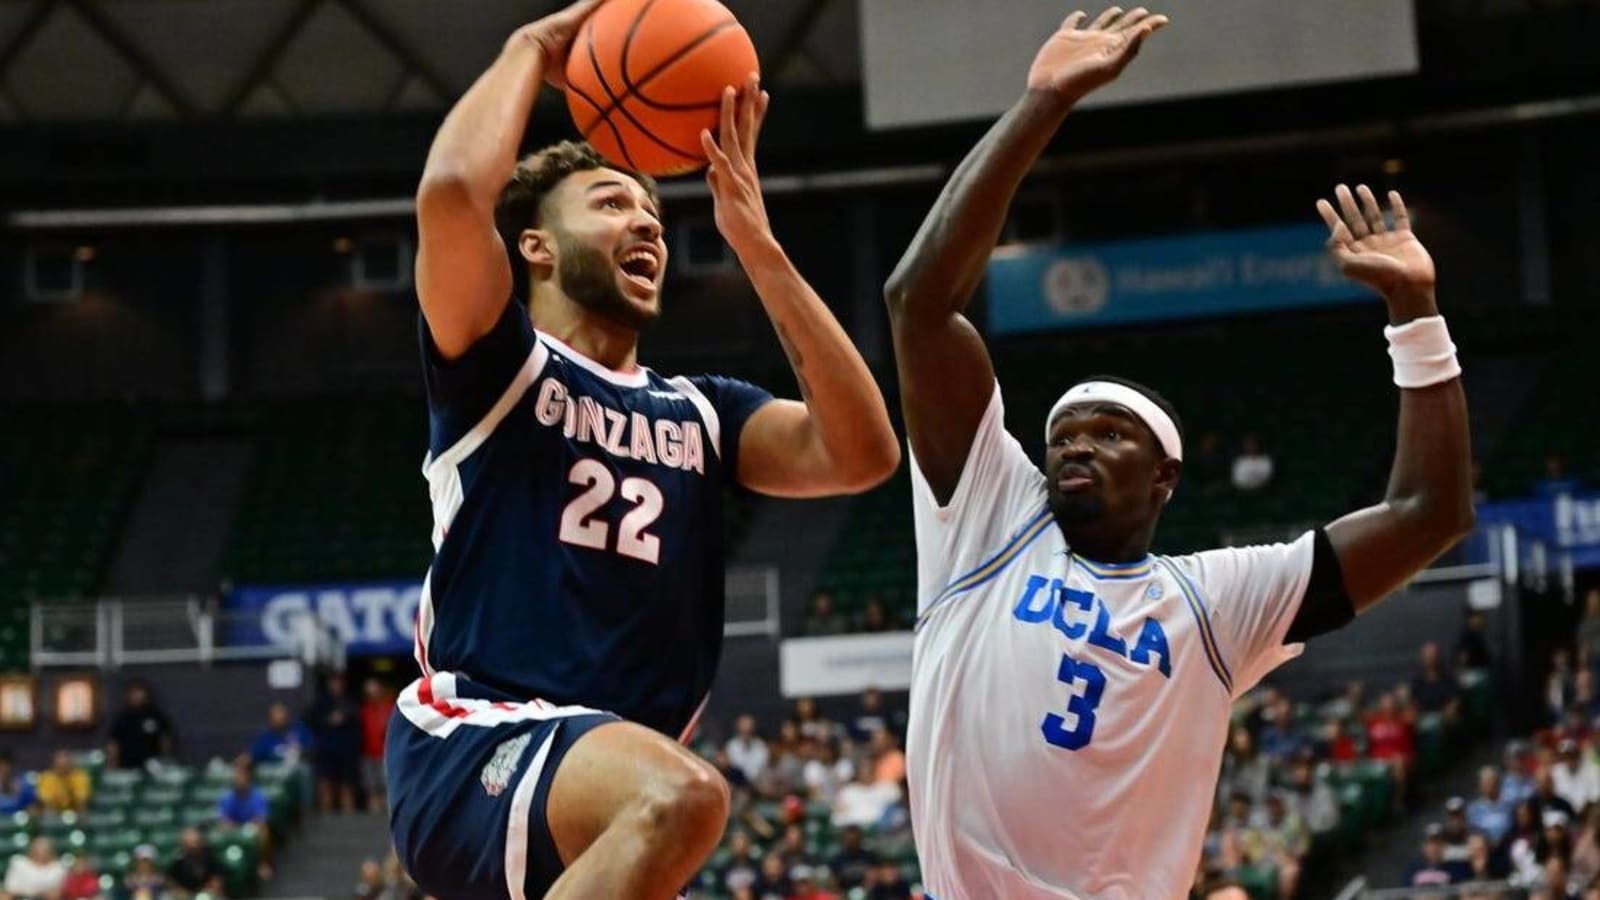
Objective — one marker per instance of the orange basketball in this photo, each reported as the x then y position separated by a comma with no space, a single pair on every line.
645,76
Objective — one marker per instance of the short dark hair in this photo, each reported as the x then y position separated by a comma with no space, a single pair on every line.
1151,394
536,175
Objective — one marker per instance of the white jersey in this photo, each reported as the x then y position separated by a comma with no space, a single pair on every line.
1067,717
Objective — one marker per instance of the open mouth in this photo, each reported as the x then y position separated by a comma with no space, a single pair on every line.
640,266
1075,479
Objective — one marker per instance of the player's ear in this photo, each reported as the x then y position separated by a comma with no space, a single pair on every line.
1168,473
538,248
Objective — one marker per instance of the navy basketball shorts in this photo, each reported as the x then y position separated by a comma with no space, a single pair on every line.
469,773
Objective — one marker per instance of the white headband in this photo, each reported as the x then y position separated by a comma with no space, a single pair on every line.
1156,419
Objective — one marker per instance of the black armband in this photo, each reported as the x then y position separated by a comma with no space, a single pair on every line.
1326,605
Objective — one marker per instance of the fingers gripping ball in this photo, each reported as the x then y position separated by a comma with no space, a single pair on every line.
645,76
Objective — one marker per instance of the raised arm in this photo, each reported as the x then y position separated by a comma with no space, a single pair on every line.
1428,506
839,440
946,377
463,276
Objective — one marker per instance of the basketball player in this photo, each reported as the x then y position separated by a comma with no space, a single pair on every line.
1071,692
571,622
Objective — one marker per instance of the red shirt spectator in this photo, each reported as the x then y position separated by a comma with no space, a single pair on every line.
1390,735
376,708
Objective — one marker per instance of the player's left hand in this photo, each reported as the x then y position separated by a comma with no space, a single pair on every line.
741,212
1389,259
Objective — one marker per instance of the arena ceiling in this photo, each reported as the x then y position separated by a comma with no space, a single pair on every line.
153,60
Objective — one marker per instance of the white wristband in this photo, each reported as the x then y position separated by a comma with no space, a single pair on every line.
1422,352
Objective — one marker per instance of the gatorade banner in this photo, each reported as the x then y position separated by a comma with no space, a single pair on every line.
370,619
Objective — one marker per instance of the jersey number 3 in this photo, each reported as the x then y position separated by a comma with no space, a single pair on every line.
1081,705
580,527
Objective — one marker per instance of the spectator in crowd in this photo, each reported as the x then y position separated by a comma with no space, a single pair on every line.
875,616
1280,738
1433,689
1523,845
888,883
1490,811
1586,851
747,750
1557,480
810,721
1575,777
377,704
1223,889
245,804
1455,830
1312,800
852,863
1243,769
1472,647
1335,743
824,620
397,884
195,870
743,865
1589,627
36,875
1560,686
804,881
1483,864
731,773
1391,738
1208,467
773,881
1278,838
1585,708
1547,800
870,716
1430,869
64,787
285,742
16,794
786,770
370,884
864,802
1557,880
1516,783
1252,468
335,721
793,846
827,773
888,760
145,881
83,882
140,733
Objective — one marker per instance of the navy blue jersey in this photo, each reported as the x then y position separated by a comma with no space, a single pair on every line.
577,524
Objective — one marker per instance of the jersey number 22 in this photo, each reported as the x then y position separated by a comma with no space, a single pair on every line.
1080,705
580,526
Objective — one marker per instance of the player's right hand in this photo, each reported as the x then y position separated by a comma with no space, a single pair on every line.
1076,60
553,35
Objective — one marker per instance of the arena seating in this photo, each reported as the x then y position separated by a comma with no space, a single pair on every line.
66,479
129,808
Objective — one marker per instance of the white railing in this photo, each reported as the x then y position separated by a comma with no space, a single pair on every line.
116,631
753,602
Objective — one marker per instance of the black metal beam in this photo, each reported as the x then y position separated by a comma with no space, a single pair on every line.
30,26
134,55
794,37
394,43
262,67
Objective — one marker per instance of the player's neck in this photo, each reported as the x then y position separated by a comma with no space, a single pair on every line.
602,340
1112,549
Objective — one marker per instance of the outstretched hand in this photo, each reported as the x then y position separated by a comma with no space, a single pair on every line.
1388,259
1076,60
741,212
553,35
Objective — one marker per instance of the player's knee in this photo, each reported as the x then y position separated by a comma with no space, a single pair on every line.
690,801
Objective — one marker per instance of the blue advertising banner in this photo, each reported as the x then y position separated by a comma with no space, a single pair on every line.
1084,285
1568,522
371,618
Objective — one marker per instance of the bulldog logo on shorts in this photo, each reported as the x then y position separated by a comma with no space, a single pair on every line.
497,772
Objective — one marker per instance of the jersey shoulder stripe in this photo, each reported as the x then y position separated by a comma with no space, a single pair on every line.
1114,571
708,412
992,567
1197,607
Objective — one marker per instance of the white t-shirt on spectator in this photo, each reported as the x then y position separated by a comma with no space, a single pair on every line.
749,755
824,780
1252,472
863,804
26,878
1578,786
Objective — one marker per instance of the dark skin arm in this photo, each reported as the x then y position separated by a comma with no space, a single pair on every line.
946,376
1428,506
